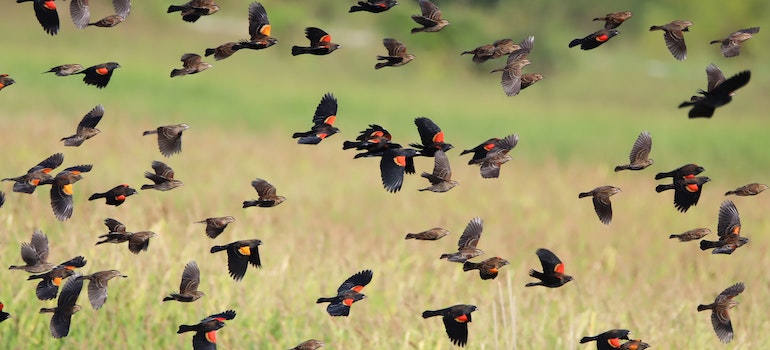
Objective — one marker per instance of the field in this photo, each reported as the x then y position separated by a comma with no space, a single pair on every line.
574,127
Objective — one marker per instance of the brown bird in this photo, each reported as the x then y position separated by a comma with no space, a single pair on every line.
594,40
267,197
637,344
188,288
65,69
640,153
116,195
720,311
81,13
441,179
239,255
205,337
35,254
553,271
751,189
37,175
320,43
731,45
397,55
97,287
488,268
720,92
86,128
728,229
192,64
163,178
497,49
311,344
608,340
348,293
529,79
430,20
169,138
65,307
601,198
511,77
194,9
456,319
137,241
686,191
691,235
5,81
466,245
100,74
45,11
259,30
222,51
323,122
615,19
429,235
48,287
62,190
215,226
673,33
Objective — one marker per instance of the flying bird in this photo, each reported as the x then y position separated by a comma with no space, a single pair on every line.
394,163
191,64
431,137
456,319
428,235
553,271
601,198
116,195
374,141
35,254
673,34
731,45
205,337
169,138
320,43
100,74
86,128
615,19
751,189
62,190
348,293
97,286
267,195
594,40
728,229
691,235
46,13
639,158
81,13
323,122
720,311
718,94
6,81
492,154
466,245
488,268
430,18
239,255
65,69
397,55
194,9
188,288
441,178
609,339
48,287
137,241
163,177
497,49
511,80
66,306
37,175
215,226
373,6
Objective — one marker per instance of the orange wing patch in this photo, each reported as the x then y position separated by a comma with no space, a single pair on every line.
614,342
559,268
56,281
377,134
326,38
102,71
120,198
602,38
439,137
347,302
265,30
737,230
34,182
357,289
400,161
245,250
489,146
50,5
211,337
462,318
330,119
693,187
67,189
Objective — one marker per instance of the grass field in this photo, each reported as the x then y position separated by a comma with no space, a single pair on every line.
574,127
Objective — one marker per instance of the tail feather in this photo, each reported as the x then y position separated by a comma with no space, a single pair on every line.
175,8
148,132
185,328
411,236
97,196
661,188
706,245
467,266
575,42
584,194
296,50
355,9
674,236
656,28
218,248
324,300
588,339
621,167
209,52
146,187
702,307
431,313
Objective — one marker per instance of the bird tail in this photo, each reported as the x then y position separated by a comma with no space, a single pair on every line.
715,41
585,194
174,8
656,28
445,256
706,245
417,30
147,187
661,188
218,248
588,339
177,72
149,132
209,52
185,328
350,144
247,204
324,300
675,236
431,313
296,50
685,104
35,277
380,64
45,309
97,196
355,8
575,42
467,266
621,167
411,236
702,307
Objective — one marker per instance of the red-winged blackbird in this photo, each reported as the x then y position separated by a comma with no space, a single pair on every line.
431,136
441,178
191,64
3,315
592,41
259,30
323,122
320,43
62,190
99,74
86,128
137,241
728,229
488,268
719,95
615,19
48,288
685,171
239,255
394,163
466,245
608,340
637,344
397,55
169,138
81,14
686,191
456,319
215,226
430,19
373,6
45,11
348,293
163,178
5,80
194,9
35,254
497,49
429,235
374,141
188,288
673,33
116,195
751,189
512,78
639,158
691,235
65,69
601,198
37,175
553,271
731,45
267,197
65,307
311,344
492,154
97,287
720,311
205,337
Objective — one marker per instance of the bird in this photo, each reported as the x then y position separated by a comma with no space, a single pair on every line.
497,49
323,122
65,69
673,34
466,245
3,315
192,64
35,254
163,177
137,241
731,45
62,190
373,6
81,13
169,138
512,77
685,171
100,74
691,235
488,268
639,158
66,306
430,18
267,195
456,319
687,191
48,287
97,286
728,229
86,128
37,175
607,340
310,344
46,14
374,141
215,226
615,19
259,30
394,163
553,271
239,255
108,22
397,55
428,235
441,178
601,198
348,293
116,195
194,9
492,154
431,138
720,311
751,189
320,43
205,337
188,288
718,95
6,81
595,39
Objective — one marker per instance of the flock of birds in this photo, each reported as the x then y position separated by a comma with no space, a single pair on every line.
375,141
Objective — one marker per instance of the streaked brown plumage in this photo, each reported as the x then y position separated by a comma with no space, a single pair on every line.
163,177
194,9
601,198
62,190
673,33
86,128
108,22
311,344
48,287
188,288
441,178
429,235
65,69
65,307
222,51
397,55
639,158
37,175
511,77
137,241
215,226
81,13
731,45
530,79
488,268
691,235
267,195
615,19
431,19
97,286
239,255
751,189
720,311
497,49
728,229
169,138
466,245
192,64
